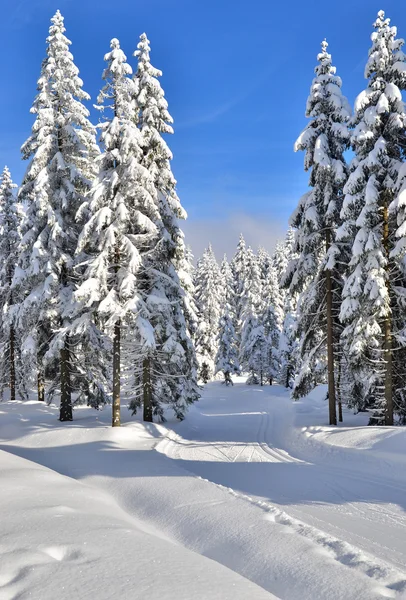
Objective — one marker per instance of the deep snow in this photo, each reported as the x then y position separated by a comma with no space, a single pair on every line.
251,480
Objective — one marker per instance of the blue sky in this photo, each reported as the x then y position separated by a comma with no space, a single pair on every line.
236,76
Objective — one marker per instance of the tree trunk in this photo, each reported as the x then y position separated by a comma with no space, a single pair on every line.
330,342
340,404
41,385
65,410
12,340
146,383
261,379
287,377
116,416
12,365
116,421
387,324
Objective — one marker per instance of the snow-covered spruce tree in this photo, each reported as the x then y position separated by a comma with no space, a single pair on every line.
398,254
288,344
272,316
187,278
254,358
227,353
10,221
315,275
61,150
281,259
169,369
208,298
227,287
374,291
121,222
239,269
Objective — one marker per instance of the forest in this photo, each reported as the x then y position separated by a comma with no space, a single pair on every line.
101,301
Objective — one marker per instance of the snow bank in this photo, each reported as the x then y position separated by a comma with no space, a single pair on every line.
61,540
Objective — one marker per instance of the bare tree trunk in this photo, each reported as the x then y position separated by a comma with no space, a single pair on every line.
41,384
340,404
387,324
12,339
146,382
116,408
261,378
12,364
287,377
65,410
330,342
116,420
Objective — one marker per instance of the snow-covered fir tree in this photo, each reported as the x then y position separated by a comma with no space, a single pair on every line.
61,151
187,277
288,343
398,254
10,221
270,286
227,353
373,308
239,269
227,287
169,368
314,273
281,259
272,316
208,298
254,357
121,223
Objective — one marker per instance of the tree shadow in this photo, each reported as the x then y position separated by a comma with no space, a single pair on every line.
283,483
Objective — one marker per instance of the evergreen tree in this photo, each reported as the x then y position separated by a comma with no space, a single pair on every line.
208,290
169,368
288,345
187,278
227,353
61,150
10,221
227,287
281,259
239,269
397,209
254,348
272,316
372,310
121,223
315,274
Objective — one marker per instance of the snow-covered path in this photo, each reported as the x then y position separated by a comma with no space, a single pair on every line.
250,480
251,440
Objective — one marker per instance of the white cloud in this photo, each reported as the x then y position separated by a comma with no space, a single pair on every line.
223,233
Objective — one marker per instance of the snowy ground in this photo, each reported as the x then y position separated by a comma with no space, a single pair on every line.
281,503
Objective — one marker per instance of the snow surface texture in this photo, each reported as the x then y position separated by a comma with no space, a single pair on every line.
250,480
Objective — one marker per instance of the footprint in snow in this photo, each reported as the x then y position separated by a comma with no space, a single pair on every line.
62,553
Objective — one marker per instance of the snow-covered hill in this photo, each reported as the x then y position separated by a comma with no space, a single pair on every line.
250,480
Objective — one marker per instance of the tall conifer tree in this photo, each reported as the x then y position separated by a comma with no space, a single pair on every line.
121,222
170,368
10,221
208,297
373,305
315,274
61,150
